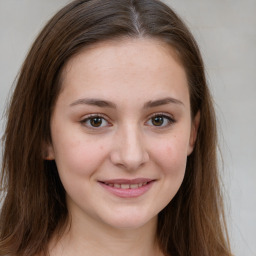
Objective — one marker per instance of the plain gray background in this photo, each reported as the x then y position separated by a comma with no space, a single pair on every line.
226,33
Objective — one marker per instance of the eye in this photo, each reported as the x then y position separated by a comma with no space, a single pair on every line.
160,120
95,121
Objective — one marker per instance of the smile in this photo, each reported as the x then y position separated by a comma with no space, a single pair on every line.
127,188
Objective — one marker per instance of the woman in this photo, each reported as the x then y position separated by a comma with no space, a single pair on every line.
110,143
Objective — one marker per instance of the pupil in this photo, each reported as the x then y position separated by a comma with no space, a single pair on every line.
96,121
158,121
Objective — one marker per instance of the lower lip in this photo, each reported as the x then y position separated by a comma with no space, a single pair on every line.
130,192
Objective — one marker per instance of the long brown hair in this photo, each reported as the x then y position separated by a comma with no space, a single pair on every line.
34,206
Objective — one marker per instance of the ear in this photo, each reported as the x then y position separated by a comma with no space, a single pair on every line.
193,132
48,152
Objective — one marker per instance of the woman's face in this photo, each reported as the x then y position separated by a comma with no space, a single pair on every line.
121,131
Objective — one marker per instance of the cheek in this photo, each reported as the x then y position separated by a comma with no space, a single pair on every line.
173,150
78,156
171,156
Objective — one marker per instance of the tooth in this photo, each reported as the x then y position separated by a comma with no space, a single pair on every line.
134,185
144,183
125,186
140,185
111,185
117,185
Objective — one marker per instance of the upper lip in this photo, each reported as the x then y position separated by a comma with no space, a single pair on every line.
127,181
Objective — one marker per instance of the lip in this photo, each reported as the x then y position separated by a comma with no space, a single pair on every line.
145,185
126,181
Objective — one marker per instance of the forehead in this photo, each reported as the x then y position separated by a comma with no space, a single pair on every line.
141,65
124,51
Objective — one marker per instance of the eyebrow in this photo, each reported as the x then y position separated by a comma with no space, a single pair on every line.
160,102
94,102
105,103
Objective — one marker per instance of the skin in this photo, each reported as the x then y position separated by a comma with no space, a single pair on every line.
129,143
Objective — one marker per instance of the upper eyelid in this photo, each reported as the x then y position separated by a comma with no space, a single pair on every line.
108,119
95,115
161,114
86,118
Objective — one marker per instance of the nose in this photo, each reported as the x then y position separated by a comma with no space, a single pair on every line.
129,149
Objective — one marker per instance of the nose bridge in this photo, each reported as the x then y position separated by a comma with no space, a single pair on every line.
130,150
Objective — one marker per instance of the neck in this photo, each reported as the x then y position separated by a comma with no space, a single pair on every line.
91,238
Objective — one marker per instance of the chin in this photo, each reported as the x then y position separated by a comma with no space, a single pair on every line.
132,221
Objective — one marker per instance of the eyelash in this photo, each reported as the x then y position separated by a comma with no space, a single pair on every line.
170,120
90,117
166,117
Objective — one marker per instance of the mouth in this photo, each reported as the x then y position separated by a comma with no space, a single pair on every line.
125,188
126,185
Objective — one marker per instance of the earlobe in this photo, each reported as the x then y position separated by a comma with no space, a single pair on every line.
193,133
48,152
